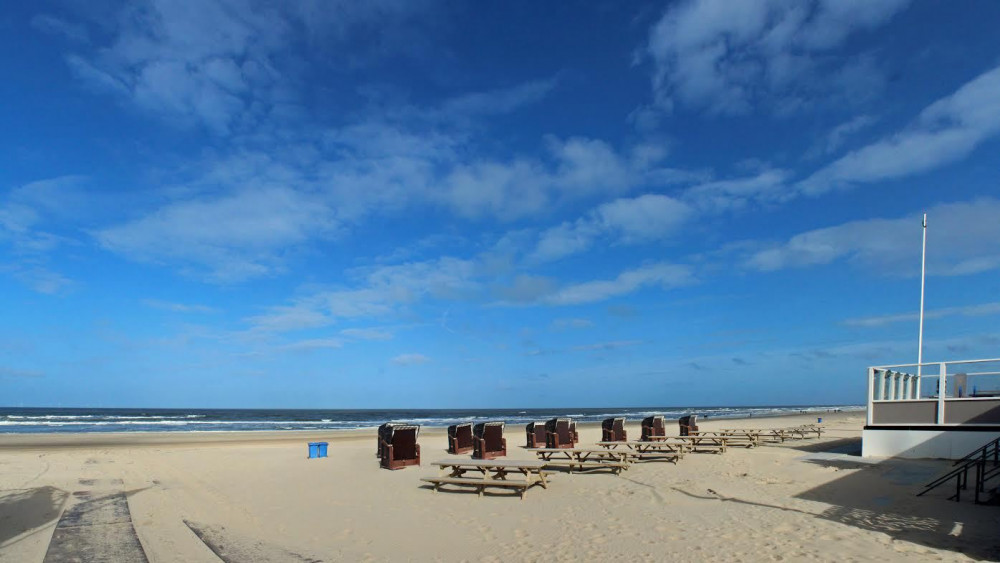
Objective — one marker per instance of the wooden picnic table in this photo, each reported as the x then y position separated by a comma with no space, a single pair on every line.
779,434
638,449
749,439
583,458
491,473
696,443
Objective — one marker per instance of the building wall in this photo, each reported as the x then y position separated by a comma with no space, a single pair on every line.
978,411
917,444
905,412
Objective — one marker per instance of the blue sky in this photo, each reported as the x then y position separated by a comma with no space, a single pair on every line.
243,203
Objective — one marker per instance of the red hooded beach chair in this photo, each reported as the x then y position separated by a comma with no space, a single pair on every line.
400,448
488,441
460,438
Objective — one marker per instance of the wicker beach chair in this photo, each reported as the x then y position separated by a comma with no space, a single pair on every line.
573,433
613,430
652,427
688,425
460,438
535,432
384,431
488,441
401,449
558,433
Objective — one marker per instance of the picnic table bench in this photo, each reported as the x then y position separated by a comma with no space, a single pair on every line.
779,434
583,458
643,450
715,444
490,473
733,437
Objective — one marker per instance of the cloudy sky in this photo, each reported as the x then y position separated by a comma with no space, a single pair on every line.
257,203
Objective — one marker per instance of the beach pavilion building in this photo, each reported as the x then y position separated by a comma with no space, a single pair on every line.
932,410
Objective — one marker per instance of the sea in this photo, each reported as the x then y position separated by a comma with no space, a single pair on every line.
50,420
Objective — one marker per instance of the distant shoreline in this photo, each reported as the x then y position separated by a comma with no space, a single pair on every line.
237,437
39,421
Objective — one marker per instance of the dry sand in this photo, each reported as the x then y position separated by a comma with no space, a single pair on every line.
256,497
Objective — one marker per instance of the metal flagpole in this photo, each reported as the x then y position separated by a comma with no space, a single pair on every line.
923,275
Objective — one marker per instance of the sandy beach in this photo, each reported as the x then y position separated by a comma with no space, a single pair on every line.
256,497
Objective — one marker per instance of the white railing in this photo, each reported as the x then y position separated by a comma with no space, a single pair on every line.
896,384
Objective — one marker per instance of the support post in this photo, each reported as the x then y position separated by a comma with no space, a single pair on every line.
923,276
942,391
871,395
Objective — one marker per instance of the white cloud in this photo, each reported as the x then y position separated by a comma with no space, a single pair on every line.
767,186
963,238
300,316
55,26
572,169
981,310
367,334
625,220
38,277
491,102
661,274
944,132
236,236
178,307
37,219
566,239
609,345
839,134
313,344
410,359
731,56
19,373
227,65
380,291
216,68
562,324
525,289
243,215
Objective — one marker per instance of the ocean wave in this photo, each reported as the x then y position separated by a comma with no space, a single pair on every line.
15,421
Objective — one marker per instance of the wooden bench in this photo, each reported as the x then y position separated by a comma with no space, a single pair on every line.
616,467
649,450
480,484
778,434
492,473
715,444
584,458
733,437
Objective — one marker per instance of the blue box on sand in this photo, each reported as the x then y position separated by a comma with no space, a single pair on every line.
317,449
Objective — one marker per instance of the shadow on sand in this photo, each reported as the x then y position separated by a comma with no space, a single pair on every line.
880,496
29,509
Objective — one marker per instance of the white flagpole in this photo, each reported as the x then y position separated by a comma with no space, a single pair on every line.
923,275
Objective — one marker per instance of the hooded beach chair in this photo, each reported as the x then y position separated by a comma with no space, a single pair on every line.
688,424
573,433
384,431
653,426
535,432
460,438
558,433
400,448
488,441
613,430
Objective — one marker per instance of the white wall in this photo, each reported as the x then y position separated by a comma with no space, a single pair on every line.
915,444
